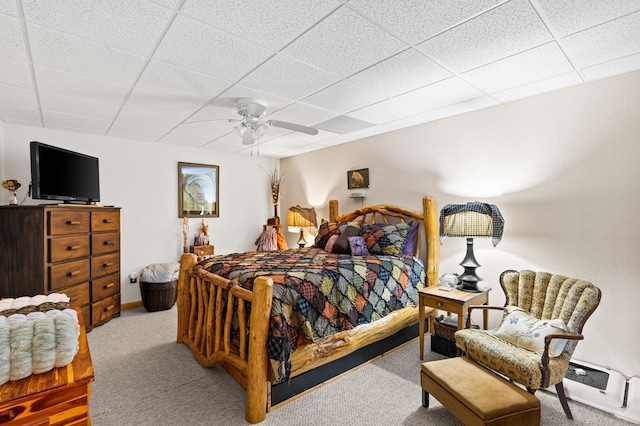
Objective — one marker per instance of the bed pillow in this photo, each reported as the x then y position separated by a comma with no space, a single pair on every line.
410,243
385,239
341,245
327,230
523,329
332,240
358,246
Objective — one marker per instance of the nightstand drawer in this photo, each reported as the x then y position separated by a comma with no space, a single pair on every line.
443,305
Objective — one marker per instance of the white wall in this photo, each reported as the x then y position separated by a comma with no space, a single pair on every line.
142,178
562,167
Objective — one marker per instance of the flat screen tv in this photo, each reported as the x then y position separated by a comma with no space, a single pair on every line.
60,174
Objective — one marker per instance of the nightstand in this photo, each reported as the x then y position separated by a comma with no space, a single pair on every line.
454,301
201,251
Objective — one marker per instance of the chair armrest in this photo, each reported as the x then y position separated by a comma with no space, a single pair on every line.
483,307
544,362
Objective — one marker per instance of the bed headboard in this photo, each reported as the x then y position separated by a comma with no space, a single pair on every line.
389,213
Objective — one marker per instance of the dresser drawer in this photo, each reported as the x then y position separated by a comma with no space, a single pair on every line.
79,294
68,222
104,287
105,221
105,265
65,274
105,309
67,248
105,243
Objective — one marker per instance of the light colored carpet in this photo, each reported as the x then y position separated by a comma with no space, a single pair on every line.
142,377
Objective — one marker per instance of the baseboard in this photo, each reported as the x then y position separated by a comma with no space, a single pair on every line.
131,305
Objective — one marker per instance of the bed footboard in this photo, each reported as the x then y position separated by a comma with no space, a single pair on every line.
207,306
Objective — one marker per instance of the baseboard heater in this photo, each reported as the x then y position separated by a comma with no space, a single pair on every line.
604,389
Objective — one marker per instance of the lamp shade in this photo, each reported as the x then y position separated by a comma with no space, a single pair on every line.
471,220
299,218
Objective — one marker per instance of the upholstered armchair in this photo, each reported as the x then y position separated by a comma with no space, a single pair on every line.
542,323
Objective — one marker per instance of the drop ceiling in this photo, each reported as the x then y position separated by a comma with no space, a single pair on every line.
142,69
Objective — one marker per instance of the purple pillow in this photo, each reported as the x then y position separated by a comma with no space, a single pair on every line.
411,238
358,246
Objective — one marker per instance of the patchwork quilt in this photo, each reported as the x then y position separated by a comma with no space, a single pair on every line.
317,294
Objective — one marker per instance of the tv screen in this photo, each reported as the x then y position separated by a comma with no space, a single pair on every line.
60,174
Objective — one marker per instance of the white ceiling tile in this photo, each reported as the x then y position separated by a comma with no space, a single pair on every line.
8,7
300,150
617,66
538,87
12,45
605,42
145,118
401,73
18,96
193,45
73,54
230,142
437,95
343,97
286,19
132,25
170,106
16,73
54,119
301,113
301,79
382,112
136,131
169,4
17,114
78,86
80,107
532,65
508,29
344,43
166,79
417,20
229,98
570,16
179,136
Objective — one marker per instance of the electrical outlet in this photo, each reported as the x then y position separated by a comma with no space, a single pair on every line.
133,278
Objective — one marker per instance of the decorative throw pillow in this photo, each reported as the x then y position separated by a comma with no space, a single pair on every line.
385,239
329,247
410,243
341,245
326,230
523,329
358,246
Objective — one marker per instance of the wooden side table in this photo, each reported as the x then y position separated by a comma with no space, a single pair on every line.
59,396
201,251
455,301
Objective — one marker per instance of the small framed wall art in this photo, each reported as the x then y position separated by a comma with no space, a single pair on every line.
358,179
198,189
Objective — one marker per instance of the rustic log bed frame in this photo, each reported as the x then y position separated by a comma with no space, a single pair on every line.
207,331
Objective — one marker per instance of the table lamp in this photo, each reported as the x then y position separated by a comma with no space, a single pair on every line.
300,219
471,220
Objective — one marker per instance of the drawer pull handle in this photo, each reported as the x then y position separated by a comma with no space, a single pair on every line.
108,243
439,304
108,264
107,221
72,273
73,248
104,287
73,222
108,308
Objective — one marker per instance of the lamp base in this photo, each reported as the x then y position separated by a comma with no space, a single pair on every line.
301,242
469,279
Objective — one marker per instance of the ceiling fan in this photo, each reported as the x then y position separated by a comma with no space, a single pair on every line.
252,126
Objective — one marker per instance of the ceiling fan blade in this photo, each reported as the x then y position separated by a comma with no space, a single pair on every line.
229,120
294,127
247,137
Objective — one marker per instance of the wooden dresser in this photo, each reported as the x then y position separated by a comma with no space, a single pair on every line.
57,397
67,249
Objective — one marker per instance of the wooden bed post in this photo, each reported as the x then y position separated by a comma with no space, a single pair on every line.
257,363
333,210
433,242
186,264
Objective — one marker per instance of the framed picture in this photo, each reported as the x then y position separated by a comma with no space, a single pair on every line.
358,178
198,188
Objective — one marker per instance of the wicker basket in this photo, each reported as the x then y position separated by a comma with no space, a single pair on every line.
445,331
159,296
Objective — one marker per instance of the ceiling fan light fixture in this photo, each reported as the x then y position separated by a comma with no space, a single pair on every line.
260,129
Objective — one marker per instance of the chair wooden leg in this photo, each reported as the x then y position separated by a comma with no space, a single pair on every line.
563,400
425,398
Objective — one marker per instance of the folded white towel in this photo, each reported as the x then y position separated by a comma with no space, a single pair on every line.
37,300
16,318
6,304
5,353
21,358
52,313
32,316
44,345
